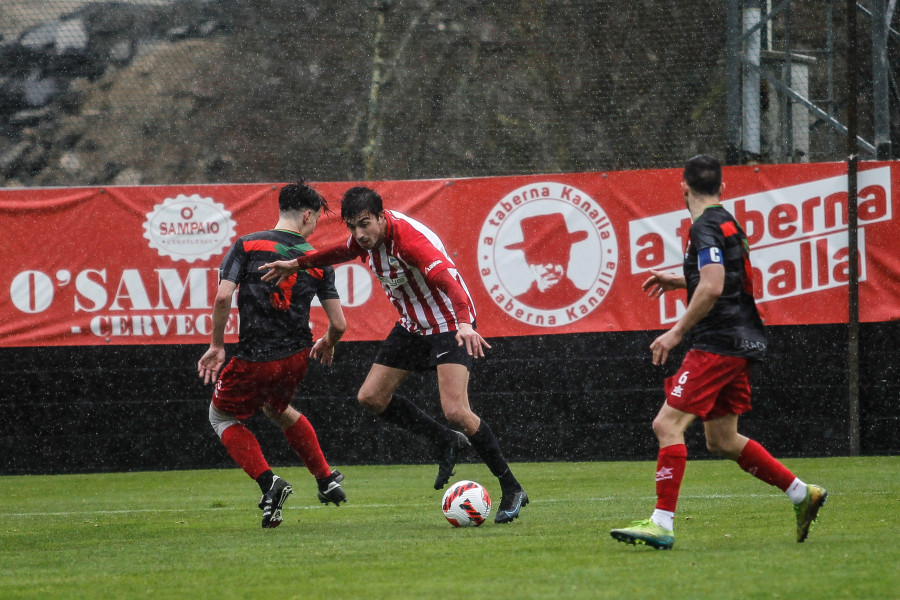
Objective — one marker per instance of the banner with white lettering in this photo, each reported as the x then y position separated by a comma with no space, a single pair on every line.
540,254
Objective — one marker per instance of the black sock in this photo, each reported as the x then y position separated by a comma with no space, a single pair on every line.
403,413
488,449
265,480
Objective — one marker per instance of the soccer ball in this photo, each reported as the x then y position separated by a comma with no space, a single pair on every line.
466,504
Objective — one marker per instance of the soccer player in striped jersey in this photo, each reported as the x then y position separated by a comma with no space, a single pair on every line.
273,350
713,382
436,331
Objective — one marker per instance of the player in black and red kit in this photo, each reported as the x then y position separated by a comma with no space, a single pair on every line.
274,347
713,382
435,332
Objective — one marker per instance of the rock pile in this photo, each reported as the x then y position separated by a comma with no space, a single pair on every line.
45,71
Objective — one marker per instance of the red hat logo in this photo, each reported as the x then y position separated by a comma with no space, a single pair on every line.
547,255
547,245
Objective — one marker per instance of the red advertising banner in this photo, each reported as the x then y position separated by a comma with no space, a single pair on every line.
541,254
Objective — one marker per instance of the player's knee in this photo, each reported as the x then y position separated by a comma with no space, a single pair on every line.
660,428
724,448
220,421
284,419
454,415
373,403
459,416
713,446
667,432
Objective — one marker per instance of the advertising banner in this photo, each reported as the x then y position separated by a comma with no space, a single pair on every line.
540,254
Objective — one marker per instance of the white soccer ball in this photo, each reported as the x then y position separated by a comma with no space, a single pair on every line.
466,504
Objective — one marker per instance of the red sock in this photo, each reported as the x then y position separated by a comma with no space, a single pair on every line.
244,448
757,461
670,464
302,438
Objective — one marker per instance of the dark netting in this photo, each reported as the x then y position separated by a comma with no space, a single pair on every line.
195,91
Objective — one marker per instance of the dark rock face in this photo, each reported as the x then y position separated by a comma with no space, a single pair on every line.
50,72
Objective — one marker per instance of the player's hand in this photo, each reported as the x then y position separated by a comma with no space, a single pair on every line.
660,282
282,269
662,345
209,364
323,351
475,344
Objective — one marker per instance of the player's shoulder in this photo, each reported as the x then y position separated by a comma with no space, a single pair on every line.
405,229
712,219
403,222
284,244
274,234
717,214
246,242
257,236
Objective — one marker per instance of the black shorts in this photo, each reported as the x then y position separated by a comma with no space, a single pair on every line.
416,352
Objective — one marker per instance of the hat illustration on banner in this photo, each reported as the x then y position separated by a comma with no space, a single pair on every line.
547,245
547,255
547,239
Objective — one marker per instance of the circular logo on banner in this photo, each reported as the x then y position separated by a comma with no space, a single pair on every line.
547,254
189,228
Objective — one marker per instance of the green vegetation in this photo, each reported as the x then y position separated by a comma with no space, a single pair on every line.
196,534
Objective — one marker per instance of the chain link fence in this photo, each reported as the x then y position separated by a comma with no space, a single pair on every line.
192,91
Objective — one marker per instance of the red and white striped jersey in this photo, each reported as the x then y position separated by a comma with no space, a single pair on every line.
405,264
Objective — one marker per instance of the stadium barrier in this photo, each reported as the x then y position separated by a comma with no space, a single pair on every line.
106,309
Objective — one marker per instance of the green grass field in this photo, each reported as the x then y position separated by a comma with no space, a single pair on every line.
196,534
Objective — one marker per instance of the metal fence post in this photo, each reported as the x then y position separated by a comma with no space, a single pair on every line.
733,81
852,237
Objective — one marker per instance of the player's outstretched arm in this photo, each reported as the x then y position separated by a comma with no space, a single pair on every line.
280,270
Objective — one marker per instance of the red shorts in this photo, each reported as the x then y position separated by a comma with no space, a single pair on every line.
244,386
710,385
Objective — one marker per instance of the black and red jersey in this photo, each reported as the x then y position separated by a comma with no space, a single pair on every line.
274,319
733,326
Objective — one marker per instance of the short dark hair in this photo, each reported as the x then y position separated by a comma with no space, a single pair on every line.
703,174
299,196
358,200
